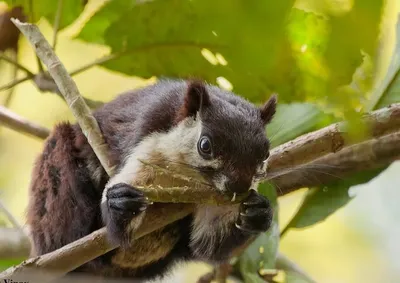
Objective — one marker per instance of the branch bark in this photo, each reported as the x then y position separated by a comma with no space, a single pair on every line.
327,154
20,124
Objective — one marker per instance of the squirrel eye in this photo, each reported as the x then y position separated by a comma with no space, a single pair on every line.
205,147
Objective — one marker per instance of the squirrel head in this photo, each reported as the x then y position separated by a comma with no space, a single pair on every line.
229,146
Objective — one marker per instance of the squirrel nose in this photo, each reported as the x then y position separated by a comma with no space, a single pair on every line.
238,186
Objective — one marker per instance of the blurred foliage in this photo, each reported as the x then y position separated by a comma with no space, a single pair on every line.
6,263
319,56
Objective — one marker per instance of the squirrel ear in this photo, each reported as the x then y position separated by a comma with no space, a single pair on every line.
268,109
196,98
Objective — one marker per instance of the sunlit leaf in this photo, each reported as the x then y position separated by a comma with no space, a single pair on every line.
308,35
351,33
249,38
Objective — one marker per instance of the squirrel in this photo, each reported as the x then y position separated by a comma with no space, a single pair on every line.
180,123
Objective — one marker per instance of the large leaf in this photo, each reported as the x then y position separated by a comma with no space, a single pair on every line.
246,41
388,91
292,120
262,253
321,202
71,9
351,33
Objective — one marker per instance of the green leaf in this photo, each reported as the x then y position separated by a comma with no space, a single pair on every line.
262,253
71,10
388,91
351,33
245,42
308,36
321,202
292,120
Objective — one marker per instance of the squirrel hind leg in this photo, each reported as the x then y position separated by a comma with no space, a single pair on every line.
63,202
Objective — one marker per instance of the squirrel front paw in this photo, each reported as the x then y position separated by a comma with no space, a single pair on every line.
255,214
122,211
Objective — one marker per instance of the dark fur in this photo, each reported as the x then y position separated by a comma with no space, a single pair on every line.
65,195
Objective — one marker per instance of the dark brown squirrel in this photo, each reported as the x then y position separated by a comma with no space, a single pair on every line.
182,124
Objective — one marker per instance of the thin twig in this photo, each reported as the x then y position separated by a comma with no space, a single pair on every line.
57,21
15,82
10,93
15,63
20,124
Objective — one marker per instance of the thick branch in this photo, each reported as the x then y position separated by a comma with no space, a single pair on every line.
331,139
20,124
325,155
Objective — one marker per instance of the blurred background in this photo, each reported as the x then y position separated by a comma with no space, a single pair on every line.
358,243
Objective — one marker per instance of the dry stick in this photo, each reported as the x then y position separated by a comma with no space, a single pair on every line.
20,124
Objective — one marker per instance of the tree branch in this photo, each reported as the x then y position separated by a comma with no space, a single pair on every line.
327,154
20,124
